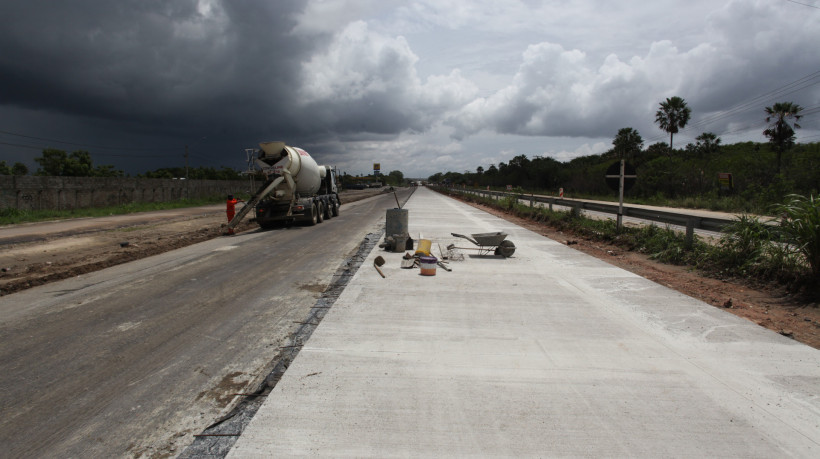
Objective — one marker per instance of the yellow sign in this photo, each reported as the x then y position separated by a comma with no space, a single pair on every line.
377,166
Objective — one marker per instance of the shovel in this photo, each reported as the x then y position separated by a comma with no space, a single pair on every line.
441,252
379,261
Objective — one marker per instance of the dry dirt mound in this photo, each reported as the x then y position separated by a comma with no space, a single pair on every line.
28,264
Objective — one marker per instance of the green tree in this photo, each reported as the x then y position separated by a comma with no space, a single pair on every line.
57,163
395,178
4,168
518,171
52,162
107,170
779,131
79,164
547,172
672,116
627,143
19,169
707,144
655,150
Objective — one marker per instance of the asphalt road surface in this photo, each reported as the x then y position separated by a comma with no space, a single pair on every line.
136,359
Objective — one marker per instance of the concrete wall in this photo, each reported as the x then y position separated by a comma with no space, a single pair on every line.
38,193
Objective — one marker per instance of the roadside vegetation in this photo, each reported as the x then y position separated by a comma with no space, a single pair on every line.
682,178
785,252
778,178
695,176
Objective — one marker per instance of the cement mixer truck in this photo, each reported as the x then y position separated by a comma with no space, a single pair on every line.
296,188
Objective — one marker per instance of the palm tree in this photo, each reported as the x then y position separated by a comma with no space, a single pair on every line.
627,143
780,132
673,115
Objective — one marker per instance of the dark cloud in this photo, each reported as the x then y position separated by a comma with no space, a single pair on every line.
233,72
170,66
148,77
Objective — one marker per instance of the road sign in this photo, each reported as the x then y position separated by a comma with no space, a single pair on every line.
613,176
725,181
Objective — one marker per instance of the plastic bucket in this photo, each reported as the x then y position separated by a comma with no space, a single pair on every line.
428,265
424,247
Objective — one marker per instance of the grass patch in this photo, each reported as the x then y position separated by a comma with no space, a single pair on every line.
14,216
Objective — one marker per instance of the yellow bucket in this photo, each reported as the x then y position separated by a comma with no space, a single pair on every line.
424,247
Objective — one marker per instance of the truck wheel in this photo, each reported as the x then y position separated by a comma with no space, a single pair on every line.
328,212
320,211
314,218
334,209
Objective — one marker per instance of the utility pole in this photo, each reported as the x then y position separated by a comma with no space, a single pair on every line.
187,189
620,176
621,196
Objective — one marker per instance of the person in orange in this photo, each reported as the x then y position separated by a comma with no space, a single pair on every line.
231,209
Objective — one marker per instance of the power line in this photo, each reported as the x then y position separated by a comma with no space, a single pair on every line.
753,103
802,83
206,157
21,146
80,144
804,4
33,147
779,92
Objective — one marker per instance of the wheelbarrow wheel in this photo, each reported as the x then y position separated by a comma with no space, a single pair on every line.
506,248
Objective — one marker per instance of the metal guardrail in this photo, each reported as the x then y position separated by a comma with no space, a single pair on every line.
690,222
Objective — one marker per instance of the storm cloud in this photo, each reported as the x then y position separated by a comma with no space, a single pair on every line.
418,86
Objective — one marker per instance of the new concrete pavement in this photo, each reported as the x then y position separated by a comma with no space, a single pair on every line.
547,353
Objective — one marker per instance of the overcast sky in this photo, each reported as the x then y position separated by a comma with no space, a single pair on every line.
417,86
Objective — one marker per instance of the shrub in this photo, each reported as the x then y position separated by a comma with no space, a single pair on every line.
800,225
663,244
745,238
750,247
509,202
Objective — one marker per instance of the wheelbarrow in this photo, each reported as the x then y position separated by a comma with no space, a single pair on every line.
487,243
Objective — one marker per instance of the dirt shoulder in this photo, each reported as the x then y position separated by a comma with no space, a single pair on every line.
772,308
37,254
